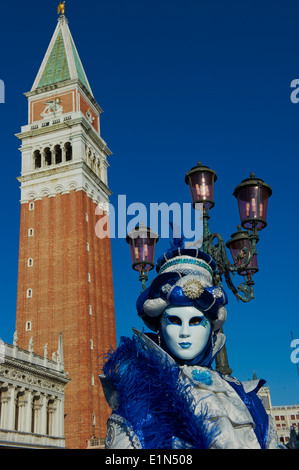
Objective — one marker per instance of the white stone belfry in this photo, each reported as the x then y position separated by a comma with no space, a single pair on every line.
62,149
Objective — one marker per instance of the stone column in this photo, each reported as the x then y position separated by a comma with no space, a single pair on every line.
36,410
43,415
57,421
86,153
104,167
21,421
53,418
101,169
11,409
28,411
57,418
63,153
43,163
61,417
4,405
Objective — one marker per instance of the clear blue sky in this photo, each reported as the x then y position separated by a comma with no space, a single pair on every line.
179,82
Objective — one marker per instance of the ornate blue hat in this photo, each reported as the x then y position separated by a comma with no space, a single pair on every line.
186,277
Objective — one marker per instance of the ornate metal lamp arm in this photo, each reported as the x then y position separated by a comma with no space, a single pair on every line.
244,291
143,278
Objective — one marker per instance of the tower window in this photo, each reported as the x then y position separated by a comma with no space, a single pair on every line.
28,326
30,232
86,217
87,246
88,277
91,344
92,379
29,293
30,262
48,156
37,159
58,154
90,310
68,152
31,206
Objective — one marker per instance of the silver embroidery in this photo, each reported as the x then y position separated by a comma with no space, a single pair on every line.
120,435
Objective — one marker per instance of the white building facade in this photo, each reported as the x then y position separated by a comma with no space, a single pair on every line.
31,398
285,417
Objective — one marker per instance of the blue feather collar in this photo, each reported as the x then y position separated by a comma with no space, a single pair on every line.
153,399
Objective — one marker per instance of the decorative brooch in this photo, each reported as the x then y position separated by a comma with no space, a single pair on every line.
203,376
193,289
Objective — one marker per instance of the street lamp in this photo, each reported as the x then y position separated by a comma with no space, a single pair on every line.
142,241
252,195
201,181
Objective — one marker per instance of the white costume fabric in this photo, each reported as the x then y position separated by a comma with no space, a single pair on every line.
217,398
162,400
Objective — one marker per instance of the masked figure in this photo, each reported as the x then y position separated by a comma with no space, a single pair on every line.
161,385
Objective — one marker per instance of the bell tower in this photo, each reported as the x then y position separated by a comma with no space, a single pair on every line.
65,272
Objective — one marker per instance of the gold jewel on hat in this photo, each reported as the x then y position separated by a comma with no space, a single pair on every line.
193,289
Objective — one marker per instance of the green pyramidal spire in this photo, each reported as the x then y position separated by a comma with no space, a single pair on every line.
56,69
62,61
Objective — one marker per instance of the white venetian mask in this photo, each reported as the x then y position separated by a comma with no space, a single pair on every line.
186,331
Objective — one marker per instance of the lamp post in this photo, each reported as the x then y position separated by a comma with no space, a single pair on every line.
142,241
252,195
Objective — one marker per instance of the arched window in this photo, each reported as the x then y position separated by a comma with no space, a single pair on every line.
31,206
37,159
28,326
29,293
48,156
30,262
30,232
58,154
68,152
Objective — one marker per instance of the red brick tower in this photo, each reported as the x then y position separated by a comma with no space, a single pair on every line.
65,271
